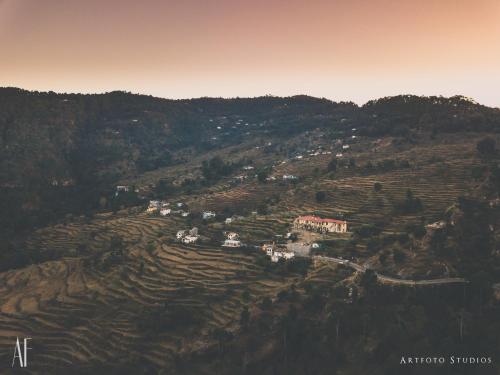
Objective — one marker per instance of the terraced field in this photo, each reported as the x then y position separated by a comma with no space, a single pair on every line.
73,305
98,302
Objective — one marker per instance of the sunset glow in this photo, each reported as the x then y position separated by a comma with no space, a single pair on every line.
340,49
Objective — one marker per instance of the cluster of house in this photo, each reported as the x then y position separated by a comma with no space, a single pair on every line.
321,225
277,252
121,189
164,209
232,240
188,236
124,189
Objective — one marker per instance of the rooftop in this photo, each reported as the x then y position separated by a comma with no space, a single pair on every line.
321,220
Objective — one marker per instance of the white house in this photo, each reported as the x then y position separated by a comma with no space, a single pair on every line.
229,220
346,147
276,252
231,243
122,188
165,211
232,235
185,214
190,239
289,177
208,215
180,234
268,248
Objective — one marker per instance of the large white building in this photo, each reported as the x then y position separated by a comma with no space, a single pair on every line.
318,224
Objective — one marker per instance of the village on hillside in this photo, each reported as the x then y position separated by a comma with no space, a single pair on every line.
302,237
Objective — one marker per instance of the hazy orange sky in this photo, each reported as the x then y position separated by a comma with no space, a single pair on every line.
340,49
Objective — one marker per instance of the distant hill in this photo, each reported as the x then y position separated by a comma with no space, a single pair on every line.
61,152
48,136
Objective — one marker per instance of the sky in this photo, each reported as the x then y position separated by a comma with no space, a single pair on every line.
350,50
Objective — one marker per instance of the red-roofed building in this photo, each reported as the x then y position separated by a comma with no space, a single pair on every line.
318,224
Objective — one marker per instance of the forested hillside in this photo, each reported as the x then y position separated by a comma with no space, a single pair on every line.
62,153
104,285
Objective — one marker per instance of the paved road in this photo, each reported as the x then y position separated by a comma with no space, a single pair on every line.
392,280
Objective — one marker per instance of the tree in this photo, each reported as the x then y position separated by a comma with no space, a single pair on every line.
332,165
266,304
410,205
215,168
244,317
398,256
222,336
164,187
246,295
486,146
320,196
377,186
262,209
262,176
369,279
116,243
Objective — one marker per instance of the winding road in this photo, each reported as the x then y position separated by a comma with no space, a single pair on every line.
392,280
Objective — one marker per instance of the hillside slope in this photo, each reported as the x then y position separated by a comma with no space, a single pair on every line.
103,287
